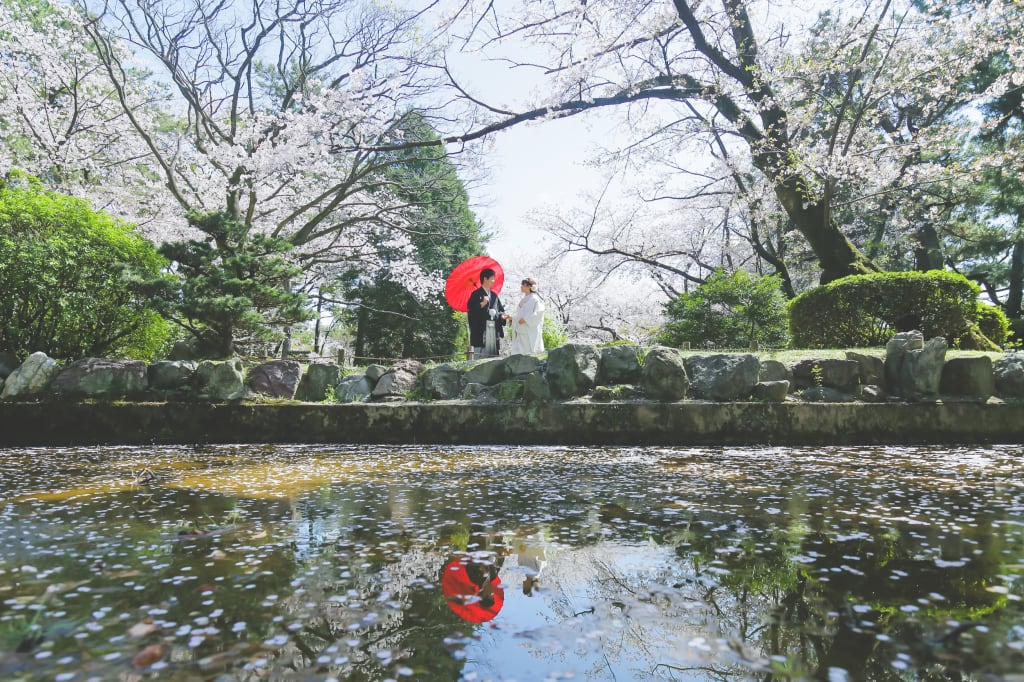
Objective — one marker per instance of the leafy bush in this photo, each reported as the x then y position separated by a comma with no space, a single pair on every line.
553,333
728,311
1016,334
993,323
73,278
867,310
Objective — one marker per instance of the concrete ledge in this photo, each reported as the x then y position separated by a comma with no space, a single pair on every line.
683,423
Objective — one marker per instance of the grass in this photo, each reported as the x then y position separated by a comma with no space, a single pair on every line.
797,354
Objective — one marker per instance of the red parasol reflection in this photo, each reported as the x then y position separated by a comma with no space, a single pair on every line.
472,589
465,279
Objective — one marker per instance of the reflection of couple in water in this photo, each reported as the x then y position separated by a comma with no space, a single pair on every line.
532,559
472,587
470,579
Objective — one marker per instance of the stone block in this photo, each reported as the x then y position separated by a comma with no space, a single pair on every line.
354,388
171,375
277,378
375,372
872,368
443,382
771,391
535,389
968,377
912,372
518,365
572,370
488,372
842,375
219,380
619,365
317,381
773,370
722,377
101,378
508,391
31,378
1008,372
472,391
663,376
400,378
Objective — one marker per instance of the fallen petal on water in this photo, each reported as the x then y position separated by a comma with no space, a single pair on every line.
148,656
143,628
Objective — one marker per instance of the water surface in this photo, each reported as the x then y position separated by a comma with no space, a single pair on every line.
313,562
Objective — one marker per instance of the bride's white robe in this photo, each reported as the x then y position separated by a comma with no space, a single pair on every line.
528,336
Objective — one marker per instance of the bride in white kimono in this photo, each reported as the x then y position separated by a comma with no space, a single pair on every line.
528,321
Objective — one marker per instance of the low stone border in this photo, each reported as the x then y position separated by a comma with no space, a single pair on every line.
569,423
911,370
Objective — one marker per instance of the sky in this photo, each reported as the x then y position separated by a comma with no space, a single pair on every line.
532,166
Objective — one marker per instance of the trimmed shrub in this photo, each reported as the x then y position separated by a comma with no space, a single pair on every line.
728,311
993,323
867,310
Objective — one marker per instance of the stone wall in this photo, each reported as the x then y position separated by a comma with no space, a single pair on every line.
573,423
649,394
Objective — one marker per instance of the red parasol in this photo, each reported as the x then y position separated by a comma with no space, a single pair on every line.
464,596
465,279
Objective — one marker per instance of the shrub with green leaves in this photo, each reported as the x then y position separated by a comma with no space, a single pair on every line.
728,311
993,323
868,310
553,333
73,279
1016,333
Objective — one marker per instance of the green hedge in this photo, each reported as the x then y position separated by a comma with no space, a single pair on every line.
993,323
867,310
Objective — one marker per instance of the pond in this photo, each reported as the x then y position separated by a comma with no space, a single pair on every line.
494,563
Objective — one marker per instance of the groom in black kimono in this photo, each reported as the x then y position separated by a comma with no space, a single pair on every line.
484,305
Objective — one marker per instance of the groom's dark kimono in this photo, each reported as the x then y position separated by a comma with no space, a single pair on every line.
478,317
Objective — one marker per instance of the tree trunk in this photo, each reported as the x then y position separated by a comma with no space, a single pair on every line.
836,254
928,254
1016,284
773,256
225,344
360,349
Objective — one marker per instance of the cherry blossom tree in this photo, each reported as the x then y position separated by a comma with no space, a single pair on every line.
60,119
251,109
265,94
171,113
821,129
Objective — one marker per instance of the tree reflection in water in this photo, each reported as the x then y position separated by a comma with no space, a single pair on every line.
315,563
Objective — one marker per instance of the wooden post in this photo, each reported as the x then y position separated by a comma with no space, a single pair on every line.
341,357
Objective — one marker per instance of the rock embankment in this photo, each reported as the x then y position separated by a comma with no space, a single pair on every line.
573,395
912,370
